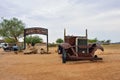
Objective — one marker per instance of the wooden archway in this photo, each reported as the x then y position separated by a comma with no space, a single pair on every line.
35,30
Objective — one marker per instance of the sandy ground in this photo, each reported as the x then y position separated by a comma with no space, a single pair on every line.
50,67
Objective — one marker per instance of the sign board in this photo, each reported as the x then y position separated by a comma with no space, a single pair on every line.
36,31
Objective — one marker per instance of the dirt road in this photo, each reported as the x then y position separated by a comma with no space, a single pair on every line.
50,67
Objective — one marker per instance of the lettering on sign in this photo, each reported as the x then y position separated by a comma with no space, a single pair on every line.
36,31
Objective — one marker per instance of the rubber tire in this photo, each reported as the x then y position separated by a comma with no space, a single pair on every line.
64,56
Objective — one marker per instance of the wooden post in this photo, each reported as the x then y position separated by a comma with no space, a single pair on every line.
47,43
24,40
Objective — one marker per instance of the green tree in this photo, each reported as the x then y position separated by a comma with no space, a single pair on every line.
33,40
108,41
92,40
12,29
9,40
59,40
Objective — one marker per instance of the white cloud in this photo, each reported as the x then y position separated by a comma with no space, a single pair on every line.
75,15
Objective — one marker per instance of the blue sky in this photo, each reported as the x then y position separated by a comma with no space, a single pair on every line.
100,17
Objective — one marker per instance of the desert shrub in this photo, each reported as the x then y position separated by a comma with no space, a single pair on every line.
52,45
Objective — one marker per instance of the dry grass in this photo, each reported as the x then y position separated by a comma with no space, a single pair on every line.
50,67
